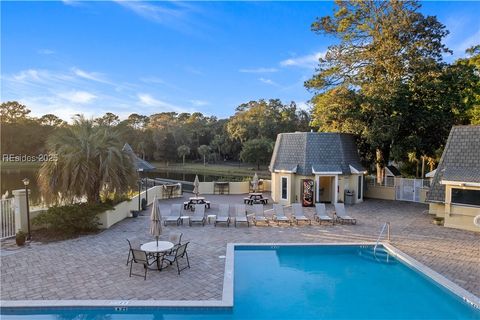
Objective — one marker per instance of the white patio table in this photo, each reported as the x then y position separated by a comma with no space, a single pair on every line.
158,249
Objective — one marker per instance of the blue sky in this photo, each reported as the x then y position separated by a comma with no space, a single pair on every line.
71,57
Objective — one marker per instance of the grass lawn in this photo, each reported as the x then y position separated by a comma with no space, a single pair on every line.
215,169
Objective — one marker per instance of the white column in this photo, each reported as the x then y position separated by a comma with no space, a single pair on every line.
317,188
335,193
20,206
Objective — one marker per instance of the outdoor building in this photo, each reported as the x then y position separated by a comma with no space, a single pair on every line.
455,190
310,167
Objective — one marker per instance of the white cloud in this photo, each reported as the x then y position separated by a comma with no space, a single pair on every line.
302,105
70,2
259,70
45,51
268,81
94,76
472,40
308,61
199,103
148,100
81,97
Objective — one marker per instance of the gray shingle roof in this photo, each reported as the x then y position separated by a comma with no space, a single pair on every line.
460,161
140,164
320,151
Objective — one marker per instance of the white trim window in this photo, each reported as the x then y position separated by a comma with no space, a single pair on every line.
284,188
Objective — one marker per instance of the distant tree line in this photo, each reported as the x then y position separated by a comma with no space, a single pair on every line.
248,135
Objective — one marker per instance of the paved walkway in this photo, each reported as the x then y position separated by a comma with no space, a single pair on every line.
94,267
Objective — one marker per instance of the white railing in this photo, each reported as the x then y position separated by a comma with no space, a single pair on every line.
7,218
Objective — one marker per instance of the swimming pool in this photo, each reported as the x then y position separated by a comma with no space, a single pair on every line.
305,282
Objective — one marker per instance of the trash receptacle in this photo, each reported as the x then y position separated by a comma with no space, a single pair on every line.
349,199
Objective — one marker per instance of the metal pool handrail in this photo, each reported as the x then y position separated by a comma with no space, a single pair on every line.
387,226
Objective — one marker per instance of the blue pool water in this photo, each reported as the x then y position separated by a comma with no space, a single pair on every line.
306,282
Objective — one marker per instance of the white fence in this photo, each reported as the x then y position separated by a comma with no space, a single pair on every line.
7,218
405,189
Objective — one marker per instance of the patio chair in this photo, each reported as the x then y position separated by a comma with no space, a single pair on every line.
223,215
174,215
179,253
259,214
241,214
143,258
176,239
299,214
341,215
321,214
198,215
279,215
136,245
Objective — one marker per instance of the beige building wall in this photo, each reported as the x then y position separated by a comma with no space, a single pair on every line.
460,216
295,187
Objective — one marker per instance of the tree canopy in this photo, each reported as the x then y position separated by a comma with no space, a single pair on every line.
385,80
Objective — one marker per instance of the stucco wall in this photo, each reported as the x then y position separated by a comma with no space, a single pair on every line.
385,193
122,210
235,187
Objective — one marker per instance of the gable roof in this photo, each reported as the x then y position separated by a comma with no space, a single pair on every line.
393,171
460,161
307,153
140,164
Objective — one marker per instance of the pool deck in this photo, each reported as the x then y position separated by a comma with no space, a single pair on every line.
94,267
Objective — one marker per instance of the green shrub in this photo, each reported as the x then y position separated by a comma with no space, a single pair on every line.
72,219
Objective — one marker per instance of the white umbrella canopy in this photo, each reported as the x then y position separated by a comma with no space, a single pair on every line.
155,220
196,185
255,183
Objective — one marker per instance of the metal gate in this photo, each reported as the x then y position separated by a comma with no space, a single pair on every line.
408,189
7,218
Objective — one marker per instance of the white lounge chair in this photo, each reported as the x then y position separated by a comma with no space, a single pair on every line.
259,214
299,214
223,215
279,215
241,214
174,215
321,214
198,215
341,215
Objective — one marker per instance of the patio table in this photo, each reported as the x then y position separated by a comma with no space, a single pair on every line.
157,249
192,201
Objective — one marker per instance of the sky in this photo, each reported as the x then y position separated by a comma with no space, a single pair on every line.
93,57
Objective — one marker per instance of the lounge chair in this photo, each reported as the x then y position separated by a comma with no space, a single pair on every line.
321,214
259,214
179,253
241,214
299,214
341,215
198,215
174,215
223,215
279,215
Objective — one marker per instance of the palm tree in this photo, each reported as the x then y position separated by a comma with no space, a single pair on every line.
89,161
203,150
182,151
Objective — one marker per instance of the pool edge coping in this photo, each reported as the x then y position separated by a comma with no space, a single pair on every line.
228,285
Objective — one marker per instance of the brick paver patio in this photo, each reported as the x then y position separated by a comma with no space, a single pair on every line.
94,267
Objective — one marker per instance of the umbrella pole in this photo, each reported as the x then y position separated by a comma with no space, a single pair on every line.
157,241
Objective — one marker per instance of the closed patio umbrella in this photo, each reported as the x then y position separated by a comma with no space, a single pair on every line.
255,183
196,185
155,220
